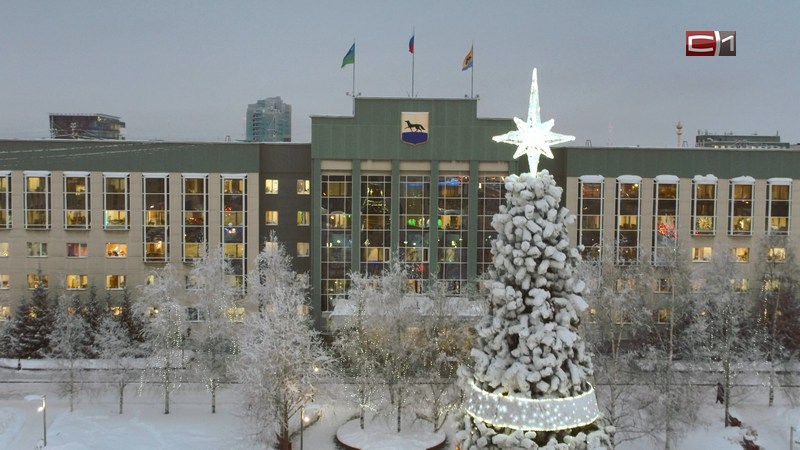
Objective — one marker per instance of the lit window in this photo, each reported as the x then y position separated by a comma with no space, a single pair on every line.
77,282
114,282
624,283
116,201
5,313
116,250
77,250
740,220
772,285
701,254
739,284
116,310
271,218
303,187
149,280
779,196
3,249
270,245
302,249
627,218
270,186
37,249
5,281
235,314
155,217
194,314
76,200
741,254
37,200
776,254
35,280
5,199
303,218
704,200
663,315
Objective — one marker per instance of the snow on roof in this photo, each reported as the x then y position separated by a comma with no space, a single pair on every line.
591,178
743,180
667,179
629,179
779,181
705,178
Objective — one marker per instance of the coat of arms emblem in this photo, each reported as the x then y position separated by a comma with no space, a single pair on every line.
414,127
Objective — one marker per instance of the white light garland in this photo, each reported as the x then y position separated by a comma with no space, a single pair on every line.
547,414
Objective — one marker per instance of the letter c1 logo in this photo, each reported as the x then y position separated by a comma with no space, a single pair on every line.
710,43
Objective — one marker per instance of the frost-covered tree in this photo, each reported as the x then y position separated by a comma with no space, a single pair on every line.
94,312
215,342
69,345
530,383
618,320
720,328
355,346
132,323
119,354
164,324
281,356
31,325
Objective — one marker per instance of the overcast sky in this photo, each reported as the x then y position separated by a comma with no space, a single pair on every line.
609,71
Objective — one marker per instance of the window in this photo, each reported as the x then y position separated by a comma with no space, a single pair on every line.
35,280
37,249
3,249
116,250
76,200
37,200
303,187
303,218
779,193
234,226
704,200
194,314
195,215
5,199
116,310
156,217
5,281
271,218
235,314
5,313
452,230
269,245
663,285
77,281
665,219
627,232
776,254
270,186
590,215
741,254
77,250
663,315
739,284
116,201
336,237
771,285
114,282
302,249
740,218
701,254
191,283
491,194
149,280
623,284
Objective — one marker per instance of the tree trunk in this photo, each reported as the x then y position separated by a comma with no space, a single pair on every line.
121,394
166,391
213,395
399,408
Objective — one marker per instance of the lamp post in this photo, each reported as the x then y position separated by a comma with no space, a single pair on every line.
43,410
302,424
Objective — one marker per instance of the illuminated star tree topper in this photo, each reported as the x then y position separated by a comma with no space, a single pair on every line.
533,138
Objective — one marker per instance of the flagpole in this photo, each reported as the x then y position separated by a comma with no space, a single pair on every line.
354,83
413,54
472,71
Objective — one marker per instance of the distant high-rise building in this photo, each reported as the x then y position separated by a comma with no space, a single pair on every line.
86,126
730,140
269,120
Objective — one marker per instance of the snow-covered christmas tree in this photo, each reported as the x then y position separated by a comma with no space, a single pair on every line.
530,384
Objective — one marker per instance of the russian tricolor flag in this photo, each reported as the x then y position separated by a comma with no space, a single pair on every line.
411,44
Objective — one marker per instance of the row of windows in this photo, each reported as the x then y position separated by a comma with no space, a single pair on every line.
627,230
73,250
303,186
303,218
193,314
664,286
71,281
739,254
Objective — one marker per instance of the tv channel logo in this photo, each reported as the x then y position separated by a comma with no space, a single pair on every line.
710,43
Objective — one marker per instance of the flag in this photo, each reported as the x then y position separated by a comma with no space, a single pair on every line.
411,44
350,57
467,60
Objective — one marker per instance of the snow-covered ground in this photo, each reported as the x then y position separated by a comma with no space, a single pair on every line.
95,423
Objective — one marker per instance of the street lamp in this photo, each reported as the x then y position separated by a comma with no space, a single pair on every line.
302,424
43,410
